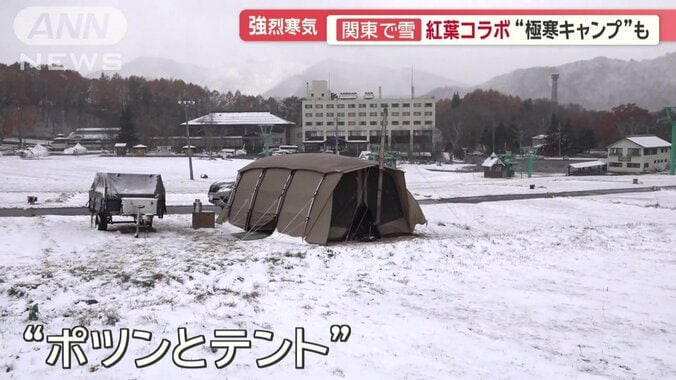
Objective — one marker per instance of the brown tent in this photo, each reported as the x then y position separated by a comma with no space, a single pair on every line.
321,197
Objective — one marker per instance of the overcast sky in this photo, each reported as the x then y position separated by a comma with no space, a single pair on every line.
206,33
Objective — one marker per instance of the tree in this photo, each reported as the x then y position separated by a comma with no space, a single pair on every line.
631,119
586,139
553,137
127,128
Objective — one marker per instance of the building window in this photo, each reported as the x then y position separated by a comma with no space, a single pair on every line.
406,122
320,106
416,122
373,105
406,105
417,104
341,114
308,114
351,123
395,113
362,105
362,123
329,114
428,113
395,105
615,164
428,122
329,106
329,123
633,165
362,114
373,123
395,122
373,113
351,105
341,123
308,106
308,123
649,151
319,124
341,105
428,104
645,165
417,114
351,114
319,114
615,152
633,152
406,113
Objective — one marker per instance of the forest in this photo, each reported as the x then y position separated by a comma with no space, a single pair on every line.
40,102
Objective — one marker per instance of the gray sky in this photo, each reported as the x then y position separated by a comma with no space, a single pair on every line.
206,33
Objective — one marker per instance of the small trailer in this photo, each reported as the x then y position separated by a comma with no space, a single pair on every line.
139,196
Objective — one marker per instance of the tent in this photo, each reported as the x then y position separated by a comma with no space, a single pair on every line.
35,152
77,149
321,197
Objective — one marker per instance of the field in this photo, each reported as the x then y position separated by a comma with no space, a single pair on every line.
547,288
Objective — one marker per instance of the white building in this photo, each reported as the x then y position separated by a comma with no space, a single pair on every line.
638,154
358,120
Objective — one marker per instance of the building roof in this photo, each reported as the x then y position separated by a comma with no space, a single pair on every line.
120,145
649,141
492,161
139,146
588,164
318,162
240,119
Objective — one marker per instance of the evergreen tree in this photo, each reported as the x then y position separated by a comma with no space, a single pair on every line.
567,139
455,101
127,128
586,139
552,142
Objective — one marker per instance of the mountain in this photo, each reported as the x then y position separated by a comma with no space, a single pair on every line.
351,77
600,83
249,77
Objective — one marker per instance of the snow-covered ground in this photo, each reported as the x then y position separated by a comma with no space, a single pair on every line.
546,288
63,181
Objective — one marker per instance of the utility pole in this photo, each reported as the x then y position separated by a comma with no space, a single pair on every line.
19,126
381,162
493,137
672,158
185,104
336,136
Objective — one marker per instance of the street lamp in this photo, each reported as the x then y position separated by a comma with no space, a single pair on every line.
185,104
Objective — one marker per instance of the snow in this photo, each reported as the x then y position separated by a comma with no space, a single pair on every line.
588,164
491,161
649,141
547,288
63,181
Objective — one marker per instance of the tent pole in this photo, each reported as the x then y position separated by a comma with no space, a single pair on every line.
381,159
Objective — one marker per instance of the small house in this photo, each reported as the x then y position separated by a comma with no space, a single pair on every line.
120,149
495,168
140,150
638,154
587,168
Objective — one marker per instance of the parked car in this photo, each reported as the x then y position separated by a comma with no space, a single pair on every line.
219,193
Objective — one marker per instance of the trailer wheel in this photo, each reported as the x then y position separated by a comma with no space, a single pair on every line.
101,222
